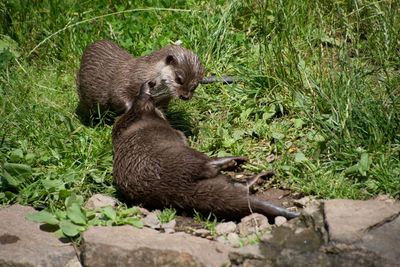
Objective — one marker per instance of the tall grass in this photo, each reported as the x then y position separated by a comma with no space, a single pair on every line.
319,91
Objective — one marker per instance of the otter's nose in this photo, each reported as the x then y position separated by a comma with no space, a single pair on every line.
184,97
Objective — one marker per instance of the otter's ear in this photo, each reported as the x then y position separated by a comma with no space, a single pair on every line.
169,60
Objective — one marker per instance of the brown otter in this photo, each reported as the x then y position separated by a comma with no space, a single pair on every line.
154,166
109,78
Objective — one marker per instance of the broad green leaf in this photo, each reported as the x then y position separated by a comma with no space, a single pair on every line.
70,229
134,221
11,180
16,155
75,213
42,217
299,157
130,212
29,158
270,111
53,184
73,198
277,135
364,164
298,123
110,212
20,171
352,169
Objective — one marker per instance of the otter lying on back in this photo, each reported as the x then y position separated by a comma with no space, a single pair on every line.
155,167
109,78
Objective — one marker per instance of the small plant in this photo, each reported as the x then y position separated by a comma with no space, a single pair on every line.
209,223
74,219
167,215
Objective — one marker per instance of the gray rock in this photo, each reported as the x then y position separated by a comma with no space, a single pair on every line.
73,263
304,201
201,232
98,201
250,256
225,228
169,227
129,246
348,220
384,240
143,211
254,223
152,221
279,220
233,240
23,243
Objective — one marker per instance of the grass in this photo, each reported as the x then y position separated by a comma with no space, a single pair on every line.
319,90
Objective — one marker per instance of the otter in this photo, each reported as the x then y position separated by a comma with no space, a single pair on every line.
109,78
154,166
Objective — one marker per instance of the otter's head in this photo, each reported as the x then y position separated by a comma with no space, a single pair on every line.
181,72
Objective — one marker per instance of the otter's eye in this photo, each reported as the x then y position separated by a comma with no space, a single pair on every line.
178,79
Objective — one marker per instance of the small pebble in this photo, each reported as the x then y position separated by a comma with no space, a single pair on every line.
279,220
201,232
152,221
225,228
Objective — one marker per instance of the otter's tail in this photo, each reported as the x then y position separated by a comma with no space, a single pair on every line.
225,199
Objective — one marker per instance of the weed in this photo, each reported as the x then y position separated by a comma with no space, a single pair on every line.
167,215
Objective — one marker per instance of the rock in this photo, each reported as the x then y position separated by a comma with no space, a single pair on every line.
201,232
98,201
384,240
129,246
152,221
23,243
279,220
254,223
73,263
143,211
348,220
304,201
225,228
169,227
385,198
233,240
247,256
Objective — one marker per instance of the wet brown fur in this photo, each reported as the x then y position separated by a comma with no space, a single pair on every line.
155,167
109,78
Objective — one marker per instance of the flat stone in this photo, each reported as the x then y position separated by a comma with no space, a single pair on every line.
254,223
169,227
98,201
348,220
201,232
279,220
129,246
23,243
233,240
152,221
304,201
225,228
384,240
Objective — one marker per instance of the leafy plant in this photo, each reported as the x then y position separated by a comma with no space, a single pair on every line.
73,219
167,215
208,223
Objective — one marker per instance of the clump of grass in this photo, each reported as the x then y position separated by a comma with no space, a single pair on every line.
167,215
